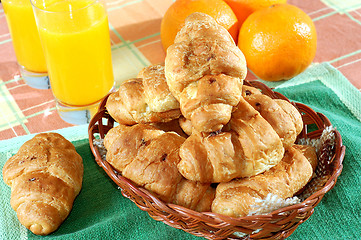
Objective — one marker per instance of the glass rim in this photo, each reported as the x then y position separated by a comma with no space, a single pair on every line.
72,11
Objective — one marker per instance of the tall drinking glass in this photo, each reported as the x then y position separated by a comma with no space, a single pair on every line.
26,42
76,42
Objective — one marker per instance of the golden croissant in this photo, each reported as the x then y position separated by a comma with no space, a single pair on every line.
45,176
250,147
204,70
149,157
284,118
252,141
144,99
237,197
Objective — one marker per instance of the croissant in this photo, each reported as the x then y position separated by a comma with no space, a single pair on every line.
288,134
209,102
204,70
292,112
171,126
149,157
144,99
45,176
310,153
249,148
237,197
185,125
156,91
283,116
202,25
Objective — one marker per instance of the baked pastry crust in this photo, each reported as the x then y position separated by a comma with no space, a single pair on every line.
293,113
249,148
282,122
144,99
310,153
209,102
187,62
237,197
156,91
149,157
45,176
199,24
204,56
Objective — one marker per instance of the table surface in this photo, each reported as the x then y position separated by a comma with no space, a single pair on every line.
135,36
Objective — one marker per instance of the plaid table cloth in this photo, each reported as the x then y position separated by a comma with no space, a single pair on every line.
135,35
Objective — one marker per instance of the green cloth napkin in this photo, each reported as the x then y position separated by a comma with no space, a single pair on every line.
101,212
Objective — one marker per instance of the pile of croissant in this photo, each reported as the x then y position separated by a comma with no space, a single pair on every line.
190,132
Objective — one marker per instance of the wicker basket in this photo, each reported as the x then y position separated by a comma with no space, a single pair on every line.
277,225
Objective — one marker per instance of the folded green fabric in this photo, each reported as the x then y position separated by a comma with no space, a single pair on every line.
101,212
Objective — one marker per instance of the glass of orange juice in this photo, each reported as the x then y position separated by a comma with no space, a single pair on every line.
26,42
76,42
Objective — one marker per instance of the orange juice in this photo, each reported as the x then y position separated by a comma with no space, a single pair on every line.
24,34
77,51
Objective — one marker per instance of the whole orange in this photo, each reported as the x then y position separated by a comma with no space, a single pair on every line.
244,8
278,42
173,19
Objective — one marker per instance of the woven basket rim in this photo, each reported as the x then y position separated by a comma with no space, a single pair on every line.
308,204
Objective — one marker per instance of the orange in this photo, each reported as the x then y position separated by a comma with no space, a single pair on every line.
244,8
175,15
278,42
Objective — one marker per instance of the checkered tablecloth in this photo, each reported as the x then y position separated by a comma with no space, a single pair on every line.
135,36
